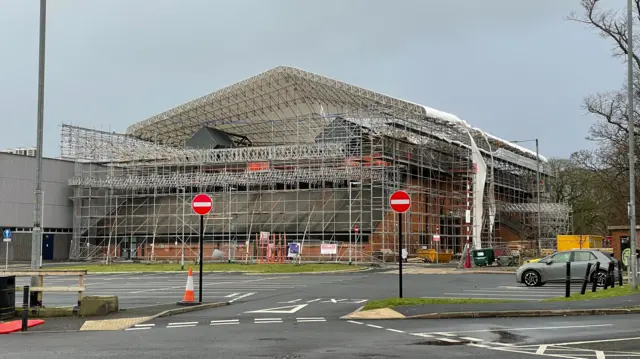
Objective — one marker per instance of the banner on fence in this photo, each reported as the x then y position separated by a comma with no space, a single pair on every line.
328,248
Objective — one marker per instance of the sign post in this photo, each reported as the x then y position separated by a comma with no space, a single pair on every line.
6,238
400,202
201,205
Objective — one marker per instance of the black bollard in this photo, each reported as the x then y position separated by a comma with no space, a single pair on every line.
586,279
620,273
25,308
568,281
612,278
595,277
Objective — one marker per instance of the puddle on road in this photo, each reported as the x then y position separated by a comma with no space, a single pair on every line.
441,343
508,337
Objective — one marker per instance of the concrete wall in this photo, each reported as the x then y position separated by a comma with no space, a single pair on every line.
17,186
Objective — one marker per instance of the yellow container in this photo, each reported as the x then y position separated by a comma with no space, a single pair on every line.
579,241
431,254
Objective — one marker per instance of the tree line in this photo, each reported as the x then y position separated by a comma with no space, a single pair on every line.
595,183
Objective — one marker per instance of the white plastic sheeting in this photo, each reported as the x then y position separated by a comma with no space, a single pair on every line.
479,180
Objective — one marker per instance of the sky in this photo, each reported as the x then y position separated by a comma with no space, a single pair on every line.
516,69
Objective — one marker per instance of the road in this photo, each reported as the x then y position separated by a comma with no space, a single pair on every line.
135,290
509,338
297,316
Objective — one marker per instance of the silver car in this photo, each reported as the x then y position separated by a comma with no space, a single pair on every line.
553,268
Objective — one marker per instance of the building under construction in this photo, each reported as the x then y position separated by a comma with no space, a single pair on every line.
290,156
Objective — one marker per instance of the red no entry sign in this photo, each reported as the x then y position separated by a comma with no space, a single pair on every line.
400,201
202,204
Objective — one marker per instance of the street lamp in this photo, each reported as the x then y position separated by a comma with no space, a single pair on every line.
632,157
537,188
350,223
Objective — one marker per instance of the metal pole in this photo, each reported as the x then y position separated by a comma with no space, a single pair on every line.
182,252
632,171
399,255
36,233
201,240
350,225
229,245
538,196
6,259
25,308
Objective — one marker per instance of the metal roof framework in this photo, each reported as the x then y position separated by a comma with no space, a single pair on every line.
280,97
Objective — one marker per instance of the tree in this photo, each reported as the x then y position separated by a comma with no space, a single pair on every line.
607,166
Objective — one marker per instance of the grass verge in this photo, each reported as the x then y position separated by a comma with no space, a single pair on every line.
397,302
222,267
600,294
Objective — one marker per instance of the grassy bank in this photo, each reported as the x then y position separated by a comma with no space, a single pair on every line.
397,302
208,267
600,294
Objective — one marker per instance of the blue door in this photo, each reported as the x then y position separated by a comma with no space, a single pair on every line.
47,247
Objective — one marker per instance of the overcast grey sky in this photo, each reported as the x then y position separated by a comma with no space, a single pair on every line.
514,68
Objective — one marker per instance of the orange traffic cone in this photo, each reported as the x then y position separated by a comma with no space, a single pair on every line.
189,294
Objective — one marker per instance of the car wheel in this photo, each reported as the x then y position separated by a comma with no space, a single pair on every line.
600,278
531,278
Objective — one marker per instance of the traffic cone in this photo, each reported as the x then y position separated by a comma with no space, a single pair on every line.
189,294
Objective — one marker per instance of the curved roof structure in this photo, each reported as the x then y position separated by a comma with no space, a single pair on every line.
262,108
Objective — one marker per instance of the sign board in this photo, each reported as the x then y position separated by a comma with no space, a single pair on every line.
400,201
6,235
294,250
328,248
436,238
202,204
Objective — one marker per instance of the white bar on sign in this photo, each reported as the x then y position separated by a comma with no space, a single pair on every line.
202,204
400,201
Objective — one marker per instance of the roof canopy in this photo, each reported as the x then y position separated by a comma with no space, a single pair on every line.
282,106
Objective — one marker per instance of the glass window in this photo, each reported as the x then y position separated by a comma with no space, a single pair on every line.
583,256
562,257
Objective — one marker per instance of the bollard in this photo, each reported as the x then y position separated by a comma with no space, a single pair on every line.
568,281
595,277
25,308
586,279
612,278
620,273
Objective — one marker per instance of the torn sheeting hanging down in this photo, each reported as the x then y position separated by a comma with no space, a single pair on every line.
479,180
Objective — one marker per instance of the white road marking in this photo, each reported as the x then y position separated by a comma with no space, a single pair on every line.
395,330
290,301
374,326
472,339
333,300
315,300
154,290
184,323
354,322
144,325
135,328
479,345
181,326
531,328
358,301
600,354
291,309
448,340
240,297
541,349
598,341
231,295
446,334
226,321
423,335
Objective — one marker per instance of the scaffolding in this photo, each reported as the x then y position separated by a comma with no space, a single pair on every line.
299,158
